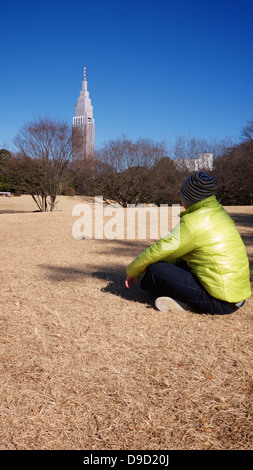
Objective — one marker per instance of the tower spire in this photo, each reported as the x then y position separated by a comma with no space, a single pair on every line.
83,119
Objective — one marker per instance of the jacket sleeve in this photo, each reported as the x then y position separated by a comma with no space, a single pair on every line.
175,245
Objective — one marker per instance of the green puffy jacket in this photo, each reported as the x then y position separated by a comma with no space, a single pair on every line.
208,240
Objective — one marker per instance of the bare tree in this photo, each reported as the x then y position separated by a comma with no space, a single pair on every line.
123,153
247,131
191,147
126,169
46,144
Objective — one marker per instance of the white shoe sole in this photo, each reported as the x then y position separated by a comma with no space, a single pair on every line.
165,304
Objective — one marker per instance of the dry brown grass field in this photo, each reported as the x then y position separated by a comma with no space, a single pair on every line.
86,364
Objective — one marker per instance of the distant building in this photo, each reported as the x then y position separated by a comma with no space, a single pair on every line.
83,119
204,162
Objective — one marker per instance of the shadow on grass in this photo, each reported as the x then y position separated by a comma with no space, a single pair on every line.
114,276
116,286
244,220
7,211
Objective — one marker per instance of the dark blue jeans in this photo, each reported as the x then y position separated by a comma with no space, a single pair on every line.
178,282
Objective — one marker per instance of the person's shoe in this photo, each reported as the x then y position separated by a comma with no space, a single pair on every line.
165,304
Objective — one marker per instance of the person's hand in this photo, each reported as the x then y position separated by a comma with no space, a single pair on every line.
129,281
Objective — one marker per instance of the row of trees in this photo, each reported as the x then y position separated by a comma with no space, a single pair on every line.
122,170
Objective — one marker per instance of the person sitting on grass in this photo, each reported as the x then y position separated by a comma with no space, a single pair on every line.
202,264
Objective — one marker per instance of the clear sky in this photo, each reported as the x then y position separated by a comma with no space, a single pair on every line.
156,69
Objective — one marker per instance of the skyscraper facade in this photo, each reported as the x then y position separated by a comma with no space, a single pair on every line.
84,121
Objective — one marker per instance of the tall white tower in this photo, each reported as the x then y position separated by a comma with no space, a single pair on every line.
84,121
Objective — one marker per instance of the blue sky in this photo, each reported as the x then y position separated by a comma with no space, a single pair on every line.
155,69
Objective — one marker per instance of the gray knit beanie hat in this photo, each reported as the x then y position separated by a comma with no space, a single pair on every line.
196,187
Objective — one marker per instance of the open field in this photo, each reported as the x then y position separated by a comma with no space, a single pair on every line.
86,364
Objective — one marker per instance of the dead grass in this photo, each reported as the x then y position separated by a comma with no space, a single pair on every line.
86,364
